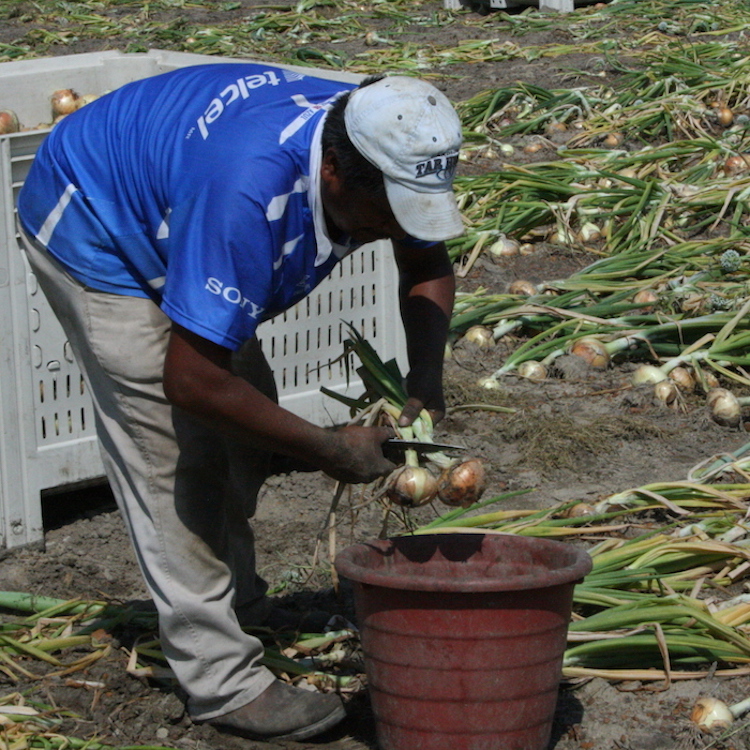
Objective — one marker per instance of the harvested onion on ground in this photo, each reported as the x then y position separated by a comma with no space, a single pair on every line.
713,715
592,351
480,335
724,407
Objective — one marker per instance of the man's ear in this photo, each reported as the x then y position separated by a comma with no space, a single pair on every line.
330,170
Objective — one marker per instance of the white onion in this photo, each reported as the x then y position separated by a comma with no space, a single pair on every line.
489,383
592,351
462,484
8,122
481,336
532,370
647,374
64,102
724,407
505,247
411,486
589,232
666,391
711,714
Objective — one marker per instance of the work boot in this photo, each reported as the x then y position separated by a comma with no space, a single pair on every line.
282,620
283,712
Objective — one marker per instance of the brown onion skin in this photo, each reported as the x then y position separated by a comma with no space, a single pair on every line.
453,492
397,491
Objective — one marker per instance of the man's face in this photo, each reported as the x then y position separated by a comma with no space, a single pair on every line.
356,213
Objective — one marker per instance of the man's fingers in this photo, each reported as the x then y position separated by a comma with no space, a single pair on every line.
410,412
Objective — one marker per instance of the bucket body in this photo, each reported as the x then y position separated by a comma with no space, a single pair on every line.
463,636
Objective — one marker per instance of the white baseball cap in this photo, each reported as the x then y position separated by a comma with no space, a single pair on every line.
411,133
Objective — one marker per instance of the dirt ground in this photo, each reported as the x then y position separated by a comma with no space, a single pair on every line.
582,435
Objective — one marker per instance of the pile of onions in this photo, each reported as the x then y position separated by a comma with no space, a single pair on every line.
411,486
461,484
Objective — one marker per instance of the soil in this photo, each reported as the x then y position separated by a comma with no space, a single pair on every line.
581,435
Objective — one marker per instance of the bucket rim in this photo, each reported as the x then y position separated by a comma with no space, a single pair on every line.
574,571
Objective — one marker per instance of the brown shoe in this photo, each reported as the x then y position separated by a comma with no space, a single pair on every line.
283,712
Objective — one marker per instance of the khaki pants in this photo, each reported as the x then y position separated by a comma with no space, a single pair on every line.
184,491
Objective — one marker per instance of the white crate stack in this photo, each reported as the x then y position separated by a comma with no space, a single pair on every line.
47,437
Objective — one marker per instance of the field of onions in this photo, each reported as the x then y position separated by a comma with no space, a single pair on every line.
597,373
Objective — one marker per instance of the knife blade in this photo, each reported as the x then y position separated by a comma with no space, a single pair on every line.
421,447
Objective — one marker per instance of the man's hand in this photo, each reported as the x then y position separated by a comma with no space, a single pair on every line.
424,393
354,454
427,288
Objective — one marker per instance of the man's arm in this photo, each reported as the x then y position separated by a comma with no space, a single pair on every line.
426,290
198,379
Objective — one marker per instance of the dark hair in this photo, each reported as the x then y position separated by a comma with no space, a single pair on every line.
357,172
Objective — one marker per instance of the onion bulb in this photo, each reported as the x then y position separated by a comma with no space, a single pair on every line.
589,232
725,116
737,164
64,101
411,486
713,715
591,351
646,297
579,510
462,484
666,391
647,374
523,288
505,247
490,383
683,378
532,370
709,381
724,407
613,139
481,336
8,122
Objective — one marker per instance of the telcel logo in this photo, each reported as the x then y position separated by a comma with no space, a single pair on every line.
240,89
233,295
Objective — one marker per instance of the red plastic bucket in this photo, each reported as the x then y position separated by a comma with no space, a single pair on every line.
463,636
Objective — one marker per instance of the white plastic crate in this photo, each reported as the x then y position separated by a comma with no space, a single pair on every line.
47,438
485,6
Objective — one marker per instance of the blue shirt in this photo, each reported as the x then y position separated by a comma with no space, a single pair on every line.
198,188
